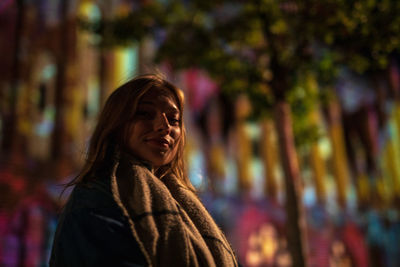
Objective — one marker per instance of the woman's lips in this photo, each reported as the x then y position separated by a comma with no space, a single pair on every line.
159,142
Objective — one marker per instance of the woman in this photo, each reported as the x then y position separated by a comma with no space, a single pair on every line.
133,204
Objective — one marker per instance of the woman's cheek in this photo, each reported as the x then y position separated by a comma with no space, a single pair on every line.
177,134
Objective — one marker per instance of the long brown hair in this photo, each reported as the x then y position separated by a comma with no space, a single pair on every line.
118,112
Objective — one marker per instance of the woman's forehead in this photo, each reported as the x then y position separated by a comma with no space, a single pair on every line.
158,95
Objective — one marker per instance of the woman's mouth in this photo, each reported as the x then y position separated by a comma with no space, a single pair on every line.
162,143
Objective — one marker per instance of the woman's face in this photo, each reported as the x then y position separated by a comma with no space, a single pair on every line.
155,130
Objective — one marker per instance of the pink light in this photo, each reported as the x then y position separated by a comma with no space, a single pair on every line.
5,4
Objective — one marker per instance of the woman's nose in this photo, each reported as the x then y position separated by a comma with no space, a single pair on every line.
161,122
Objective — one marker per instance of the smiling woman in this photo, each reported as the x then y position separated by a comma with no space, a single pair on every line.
133,204
156,128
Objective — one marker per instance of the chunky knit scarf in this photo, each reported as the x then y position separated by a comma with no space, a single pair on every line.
169,222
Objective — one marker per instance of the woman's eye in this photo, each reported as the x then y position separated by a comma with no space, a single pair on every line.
174,121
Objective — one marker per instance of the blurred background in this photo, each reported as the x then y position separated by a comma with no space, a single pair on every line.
292,115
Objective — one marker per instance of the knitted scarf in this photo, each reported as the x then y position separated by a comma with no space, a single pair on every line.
169,222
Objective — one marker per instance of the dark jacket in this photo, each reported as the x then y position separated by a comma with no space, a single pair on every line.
93,231
126,216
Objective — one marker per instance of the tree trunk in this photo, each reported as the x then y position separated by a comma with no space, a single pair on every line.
318,164
391,155
295,217
243,159
10,117
340,167
396,114
58,148
243,146
268,154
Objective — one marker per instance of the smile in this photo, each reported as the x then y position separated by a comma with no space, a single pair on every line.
162,143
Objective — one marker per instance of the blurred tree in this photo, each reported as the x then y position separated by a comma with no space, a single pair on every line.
363,35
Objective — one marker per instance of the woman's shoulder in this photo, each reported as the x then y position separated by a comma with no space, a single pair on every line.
92,195
91,207
89,227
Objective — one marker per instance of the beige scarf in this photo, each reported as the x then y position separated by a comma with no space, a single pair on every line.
169,222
